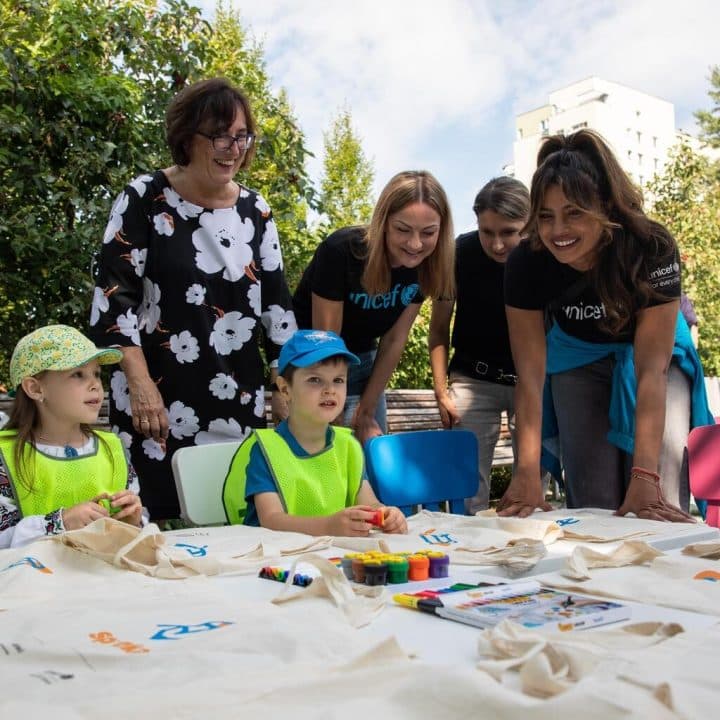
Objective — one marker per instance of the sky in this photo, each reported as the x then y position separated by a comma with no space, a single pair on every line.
436,84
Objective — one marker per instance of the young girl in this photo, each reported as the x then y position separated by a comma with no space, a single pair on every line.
481,383
366,283
56,473
624,380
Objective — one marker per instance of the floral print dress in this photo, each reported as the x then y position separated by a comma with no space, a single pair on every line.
200,291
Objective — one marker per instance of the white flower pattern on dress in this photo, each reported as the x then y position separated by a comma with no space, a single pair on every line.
262,206
153,449
223,387
279,324
100,304
195,294
231,332
139,184
221,430
185,347
184,208
120,392
138,259
183,420
127,325
149,315
212,286
260,402
223,243
164,224
115,222
125,438
270,255
254,297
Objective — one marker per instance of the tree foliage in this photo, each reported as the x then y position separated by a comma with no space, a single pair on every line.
346,186
83,93
82,87
709,120
687,202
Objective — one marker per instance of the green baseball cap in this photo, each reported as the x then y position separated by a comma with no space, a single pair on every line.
55,347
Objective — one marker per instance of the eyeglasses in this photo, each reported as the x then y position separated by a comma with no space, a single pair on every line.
223,143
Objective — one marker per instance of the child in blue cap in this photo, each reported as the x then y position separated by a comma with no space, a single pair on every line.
307,475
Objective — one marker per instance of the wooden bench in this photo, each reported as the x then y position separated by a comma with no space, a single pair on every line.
417,410
406,410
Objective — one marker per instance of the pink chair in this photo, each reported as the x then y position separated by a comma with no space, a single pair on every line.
704,469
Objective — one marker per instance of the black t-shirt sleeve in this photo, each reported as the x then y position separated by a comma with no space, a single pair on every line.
523,273
664,277
329,277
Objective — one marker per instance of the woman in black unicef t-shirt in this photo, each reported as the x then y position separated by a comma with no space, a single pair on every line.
366,283
478,384
608,280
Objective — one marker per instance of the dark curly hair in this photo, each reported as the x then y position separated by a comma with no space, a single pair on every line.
590,176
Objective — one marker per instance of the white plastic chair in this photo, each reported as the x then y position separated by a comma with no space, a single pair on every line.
199,473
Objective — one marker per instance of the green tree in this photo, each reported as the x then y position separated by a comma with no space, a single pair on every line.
709,120
83,89
346,186
687,202
413,370
279,168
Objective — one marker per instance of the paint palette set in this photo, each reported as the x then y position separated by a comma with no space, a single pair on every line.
377,568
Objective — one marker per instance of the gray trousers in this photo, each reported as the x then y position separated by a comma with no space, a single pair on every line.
597,473
480,404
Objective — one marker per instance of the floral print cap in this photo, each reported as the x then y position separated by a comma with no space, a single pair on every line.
55,347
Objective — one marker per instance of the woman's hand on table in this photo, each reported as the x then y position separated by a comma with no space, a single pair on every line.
645,499
523,496
394,521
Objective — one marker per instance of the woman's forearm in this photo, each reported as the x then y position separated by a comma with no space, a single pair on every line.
649,418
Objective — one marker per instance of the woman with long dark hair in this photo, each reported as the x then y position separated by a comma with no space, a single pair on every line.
624,382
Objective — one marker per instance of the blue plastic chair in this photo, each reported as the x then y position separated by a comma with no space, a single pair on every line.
425,468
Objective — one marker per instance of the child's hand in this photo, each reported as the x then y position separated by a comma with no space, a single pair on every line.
78,516
130,507
394,521
351,522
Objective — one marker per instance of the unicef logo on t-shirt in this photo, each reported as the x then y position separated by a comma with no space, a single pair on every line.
385,301
408,293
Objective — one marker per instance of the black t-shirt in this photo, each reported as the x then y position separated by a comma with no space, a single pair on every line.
535,280
480,331
334,273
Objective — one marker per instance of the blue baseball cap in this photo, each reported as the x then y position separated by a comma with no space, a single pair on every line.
307,347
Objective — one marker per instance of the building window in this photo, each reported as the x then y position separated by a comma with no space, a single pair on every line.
639,135
641,179
656,164
654,142
639,158
580,125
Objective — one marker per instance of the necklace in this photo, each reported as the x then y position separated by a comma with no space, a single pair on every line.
68,449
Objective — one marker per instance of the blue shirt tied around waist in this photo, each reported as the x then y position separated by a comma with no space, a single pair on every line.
565,352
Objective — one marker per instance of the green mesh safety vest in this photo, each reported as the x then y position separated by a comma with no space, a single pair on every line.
310,486
63,482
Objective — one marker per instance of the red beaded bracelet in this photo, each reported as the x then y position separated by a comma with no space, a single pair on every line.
645,474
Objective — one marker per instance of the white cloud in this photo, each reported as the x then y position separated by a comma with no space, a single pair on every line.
437,84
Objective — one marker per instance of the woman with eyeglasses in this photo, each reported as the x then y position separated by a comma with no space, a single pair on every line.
367,284
478,385
190,287
614,386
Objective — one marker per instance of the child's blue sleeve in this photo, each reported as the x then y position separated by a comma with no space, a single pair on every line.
258,478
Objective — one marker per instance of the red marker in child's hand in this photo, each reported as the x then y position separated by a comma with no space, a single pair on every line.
378,518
